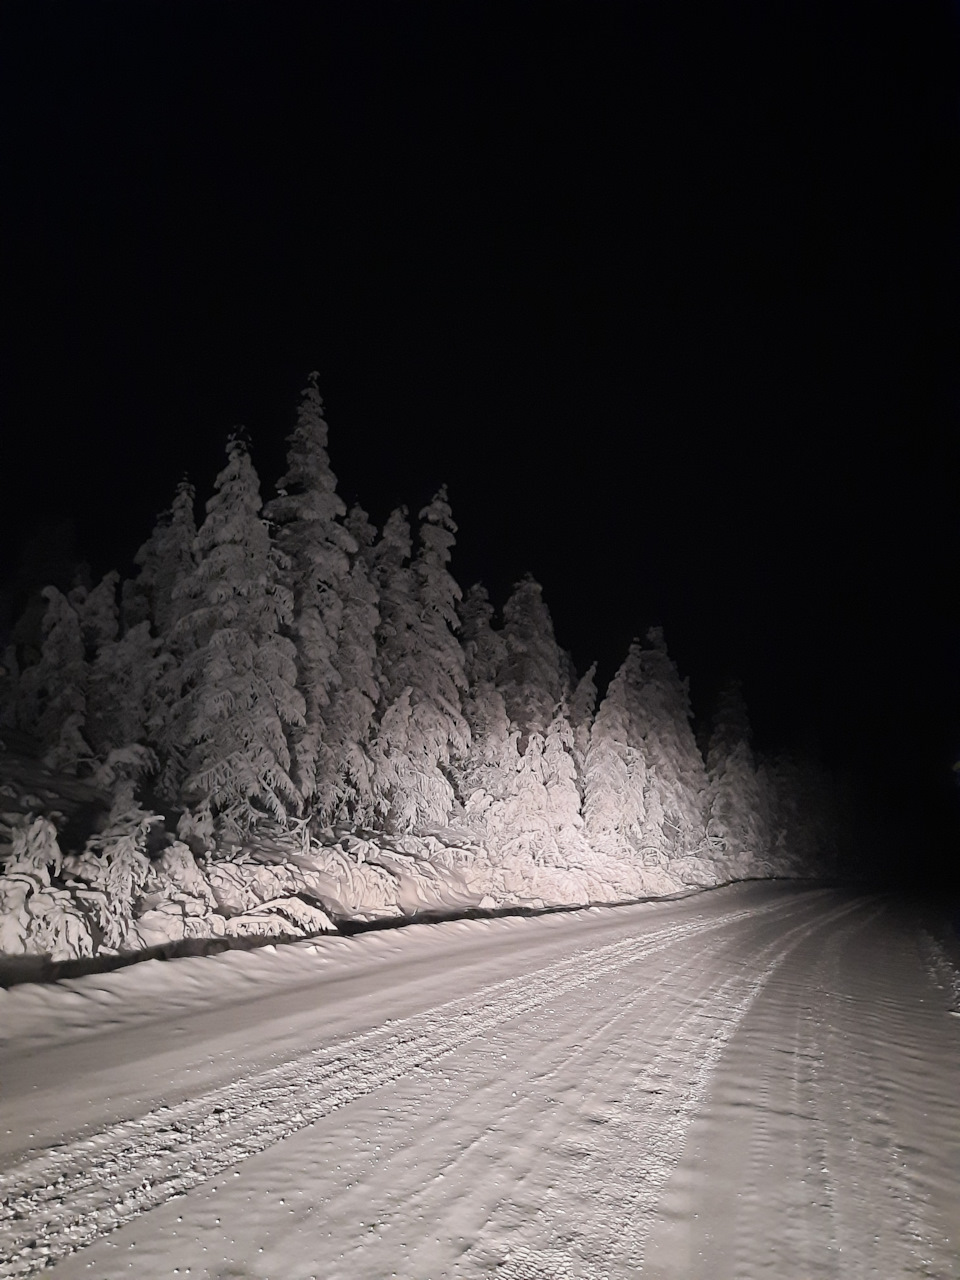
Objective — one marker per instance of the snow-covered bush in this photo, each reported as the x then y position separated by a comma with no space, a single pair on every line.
36,916
114,866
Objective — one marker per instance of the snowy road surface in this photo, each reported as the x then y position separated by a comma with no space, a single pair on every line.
758,1081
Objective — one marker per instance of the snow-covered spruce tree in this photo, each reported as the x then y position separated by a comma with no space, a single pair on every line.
52,694
99,614
421,729
484,650
389,561
615,773
438,595
165,559
562,780
522,824
122,673
238,693
736,832
124,703
532,804
488,771
346,792
147,664
534,674
310,534
583,706
676,790
526,803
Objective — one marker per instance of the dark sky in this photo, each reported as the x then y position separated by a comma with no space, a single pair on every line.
665,292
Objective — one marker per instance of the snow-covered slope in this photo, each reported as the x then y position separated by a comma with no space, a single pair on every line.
134,887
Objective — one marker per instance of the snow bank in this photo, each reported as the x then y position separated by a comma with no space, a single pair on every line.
134,889
285,888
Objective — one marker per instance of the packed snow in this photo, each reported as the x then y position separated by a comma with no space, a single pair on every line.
757,1080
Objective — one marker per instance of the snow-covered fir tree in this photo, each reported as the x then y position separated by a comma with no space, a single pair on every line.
521,824
528,803
530,807
488,771
484,650
562,780
308,513
615,780
167,558
389,562
238,694
125,702
534,674
421,729
438,595
346,792
583,707
122,672
421,672
736,831
99,614
676,789
52,693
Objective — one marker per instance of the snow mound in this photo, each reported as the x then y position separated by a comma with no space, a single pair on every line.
130,888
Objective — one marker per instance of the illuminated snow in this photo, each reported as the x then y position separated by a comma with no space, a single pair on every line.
757,1080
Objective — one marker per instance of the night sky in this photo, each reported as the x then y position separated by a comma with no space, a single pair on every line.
664,292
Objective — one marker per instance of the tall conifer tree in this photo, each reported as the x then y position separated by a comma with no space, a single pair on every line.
488,772
735,827
123,704
438,595
533,676
317,547
99,615
165,559
345,791
52,693
422,730
615,773
239,693
677,782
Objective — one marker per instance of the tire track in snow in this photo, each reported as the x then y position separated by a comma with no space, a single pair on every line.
530,1119
408,1180
824,1129
864,1122
61,1200
636,1151
787,1089
829,1148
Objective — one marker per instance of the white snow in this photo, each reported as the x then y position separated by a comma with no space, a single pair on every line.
755,1080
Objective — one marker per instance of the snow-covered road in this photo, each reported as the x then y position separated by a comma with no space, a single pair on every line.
756,1081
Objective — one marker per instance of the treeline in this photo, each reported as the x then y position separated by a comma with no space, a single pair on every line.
287,662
